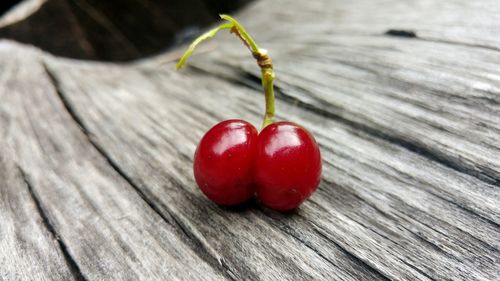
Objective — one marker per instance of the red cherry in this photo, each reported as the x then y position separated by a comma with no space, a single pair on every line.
284,158
287,166
223,162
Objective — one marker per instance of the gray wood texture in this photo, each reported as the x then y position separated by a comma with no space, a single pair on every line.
402,96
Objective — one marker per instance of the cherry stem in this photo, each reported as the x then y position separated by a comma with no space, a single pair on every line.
263,60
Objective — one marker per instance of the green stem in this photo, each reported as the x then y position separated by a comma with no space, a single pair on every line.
244,34
267,85
207,35
263,60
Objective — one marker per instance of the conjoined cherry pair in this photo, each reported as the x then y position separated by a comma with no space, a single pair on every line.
233,161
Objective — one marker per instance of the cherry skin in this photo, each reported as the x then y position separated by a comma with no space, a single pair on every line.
287,166
223,162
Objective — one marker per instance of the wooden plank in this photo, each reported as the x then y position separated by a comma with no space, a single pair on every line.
387,208
457,22
159,156
106,229
28,247
408,128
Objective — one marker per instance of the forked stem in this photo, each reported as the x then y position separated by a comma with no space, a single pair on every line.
263,60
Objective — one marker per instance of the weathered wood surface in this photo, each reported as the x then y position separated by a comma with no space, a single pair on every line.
96,158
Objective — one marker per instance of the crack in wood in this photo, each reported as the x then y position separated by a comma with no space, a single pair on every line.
305,243
464,44
425,223
436,194
195,243
70,261
354,257
417,269
462,207
401,33
351,256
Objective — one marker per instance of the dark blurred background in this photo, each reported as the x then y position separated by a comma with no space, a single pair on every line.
6,5
114,30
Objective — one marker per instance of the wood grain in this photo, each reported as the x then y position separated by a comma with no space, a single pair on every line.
408,129
28,248
379,202
106,229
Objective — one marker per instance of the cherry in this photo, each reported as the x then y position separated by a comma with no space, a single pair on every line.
287,166
223,162
282,164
